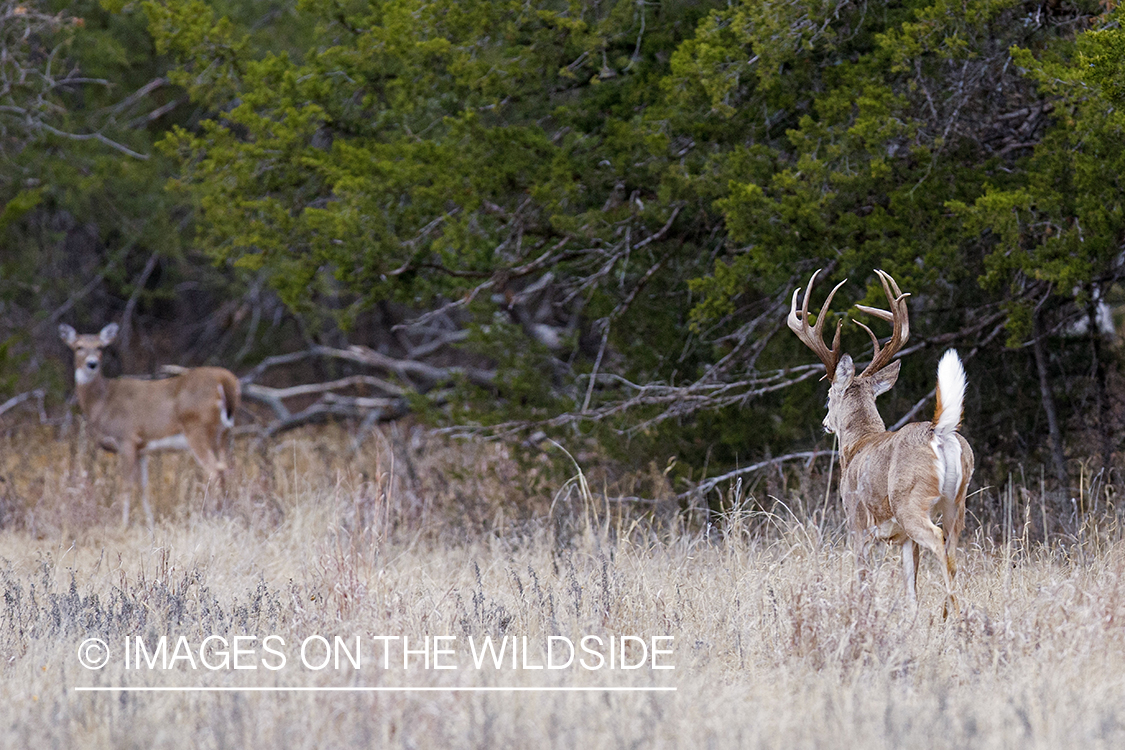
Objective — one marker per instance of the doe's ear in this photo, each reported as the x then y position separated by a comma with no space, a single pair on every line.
845,372
108,334
883,380
67,334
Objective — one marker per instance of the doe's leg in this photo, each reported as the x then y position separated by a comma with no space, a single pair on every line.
202,442
127,454
143,460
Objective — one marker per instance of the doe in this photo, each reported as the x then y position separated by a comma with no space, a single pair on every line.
132,417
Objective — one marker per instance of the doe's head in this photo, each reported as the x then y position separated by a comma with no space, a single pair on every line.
87,350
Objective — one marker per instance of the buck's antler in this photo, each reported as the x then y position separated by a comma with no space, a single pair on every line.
897,316
813,337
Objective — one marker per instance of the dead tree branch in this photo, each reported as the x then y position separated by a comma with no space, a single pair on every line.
15,401
391,403
704,487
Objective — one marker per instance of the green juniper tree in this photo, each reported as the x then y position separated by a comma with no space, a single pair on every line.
597,211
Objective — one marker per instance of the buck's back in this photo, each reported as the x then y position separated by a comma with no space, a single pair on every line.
885,466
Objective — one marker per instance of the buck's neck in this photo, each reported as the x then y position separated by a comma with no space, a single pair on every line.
859,421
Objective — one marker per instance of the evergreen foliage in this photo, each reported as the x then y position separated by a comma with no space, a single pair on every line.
610,201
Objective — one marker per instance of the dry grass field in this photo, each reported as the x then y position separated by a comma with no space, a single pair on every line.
774,644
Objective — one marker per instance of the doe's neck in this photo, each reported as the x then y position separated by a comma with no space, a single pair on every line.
91,390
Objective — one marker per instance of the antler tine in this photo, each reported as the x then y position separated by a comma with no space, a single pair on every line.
897,316
814,337
874,338
877,312
885,277
898,302
895,299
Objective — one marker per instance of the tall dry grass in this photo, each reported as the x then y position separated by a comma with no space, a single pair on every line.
775,644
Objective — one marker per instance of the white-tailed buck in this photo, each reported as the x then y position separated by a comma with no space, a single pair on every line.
132,417
894,484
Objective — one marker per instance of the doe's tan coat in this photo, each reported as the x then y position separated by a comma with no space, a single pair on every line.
133,417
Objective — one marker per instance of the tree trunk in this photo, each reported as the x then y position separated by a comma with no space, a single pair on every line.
1057,455
1104,421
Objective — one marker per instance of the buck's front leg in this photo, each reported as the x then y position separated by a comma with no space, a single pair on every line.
861,545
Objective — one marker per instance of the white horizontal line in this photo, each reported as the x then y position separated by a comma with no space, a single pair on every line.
364,689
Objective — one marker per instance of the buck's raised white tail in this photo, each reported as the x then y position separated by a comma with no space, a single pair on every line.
947,418
950,393
133,417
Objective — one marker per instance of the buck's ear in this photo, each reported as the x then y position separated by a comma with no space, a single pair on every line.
845,372
67,334
883,380
108,334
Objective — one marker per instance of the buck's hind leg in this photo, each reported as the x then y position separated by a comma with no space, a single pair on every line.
952,521
914,517
911,554
953,513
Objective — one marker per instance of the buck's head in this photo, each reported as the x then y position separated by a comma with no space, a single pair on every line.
851,395
88,350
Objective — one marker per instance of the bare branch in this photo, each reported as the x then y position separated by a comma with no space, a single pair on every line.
137,95
913,411
404,368
138,287
311,389
678,400
704,487
15,401
92,284
99,137
340,408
